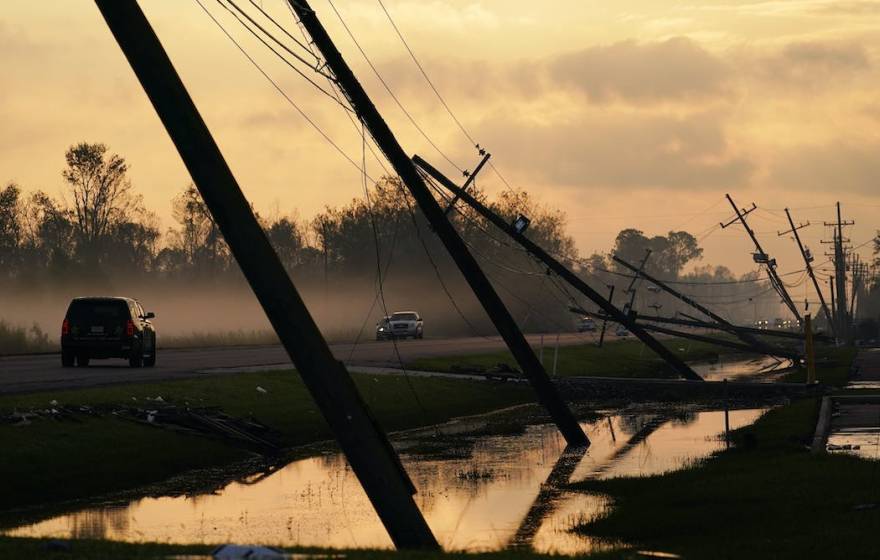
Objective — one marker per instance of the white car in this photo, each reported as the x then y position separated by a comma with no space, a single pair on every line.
400,324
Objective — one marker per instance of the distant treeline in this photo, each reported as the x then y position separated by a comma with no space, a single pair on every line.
100,232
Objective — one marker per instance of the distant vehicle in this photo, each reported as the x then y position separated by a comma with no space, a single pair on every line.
621,331
586,324
107,327
400,324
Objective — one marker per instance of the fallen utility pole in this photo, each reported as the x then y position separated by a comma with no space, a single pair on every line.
763,258
724,323
808,262
364,443
701,338
554,265
547,393
709,325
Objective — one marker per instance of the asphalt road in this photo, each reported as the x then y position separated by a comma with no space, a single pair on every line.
19,374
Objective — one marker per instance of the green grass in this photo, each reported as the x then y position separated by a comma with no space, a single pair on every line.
622,358
832,366
51,461
766,498
16,339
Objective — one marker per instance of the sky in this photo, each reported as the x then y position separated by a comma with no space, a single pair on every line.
634,113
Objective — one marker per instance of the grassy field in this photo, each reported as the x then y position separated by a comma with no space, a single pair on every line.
766,498
620,358
52,461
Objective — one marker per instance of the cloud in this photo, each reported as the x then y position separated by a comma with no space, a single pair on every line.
674,69
812,63
856,8
621,151
841,166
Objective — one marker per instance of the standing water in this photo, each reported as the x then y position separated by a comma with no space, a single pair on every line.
500,491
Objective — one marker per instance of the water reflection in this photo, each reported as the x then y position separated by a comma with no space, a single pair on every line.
509,489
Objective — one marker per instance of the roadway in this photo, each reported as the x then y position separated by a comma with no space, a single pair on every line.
22,374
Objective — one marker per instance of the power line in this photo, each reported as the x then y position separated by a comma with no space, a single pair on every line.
278,88
275,52
389,90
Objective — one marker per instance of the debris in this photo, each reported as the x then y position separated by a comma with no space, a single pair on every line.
246,552
53,402
261,390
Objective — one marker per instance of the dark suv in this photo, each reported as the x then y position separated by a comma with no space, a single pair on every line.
107,327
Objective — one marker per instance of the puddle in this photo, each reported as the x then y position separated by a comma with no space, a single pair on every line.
764,368
506,490
854,430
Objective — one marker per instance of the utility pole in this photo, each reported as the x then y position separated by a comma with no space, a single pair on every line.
605,320
547,393
808,260
365,445
631,289
554,265
841,314
762,257
722,322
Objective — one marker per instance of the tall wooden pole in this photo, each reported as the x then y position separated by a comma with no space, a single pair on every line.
547,393
365,445
677,363
809,265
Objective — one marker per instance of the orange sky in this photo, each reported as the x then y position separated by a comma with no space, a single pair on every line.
629,113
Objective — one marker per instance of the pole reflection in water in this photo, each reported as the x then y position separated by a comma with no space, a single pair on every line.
496,490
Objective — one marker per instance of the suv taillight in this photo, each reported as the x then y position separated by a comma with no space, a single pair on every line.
129,328
65,328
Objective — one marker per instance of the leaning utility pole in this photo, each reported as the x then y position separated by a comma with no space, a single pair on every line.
365,445
763,258
808,260
345,79
554,265
722,322
631,289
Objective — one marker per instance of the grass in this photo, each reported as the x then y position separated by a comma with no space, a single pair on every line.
51,461
16,339
832,366
768,497
621,358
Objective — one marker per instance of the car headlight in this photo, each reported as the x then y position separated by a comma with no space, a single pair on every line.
381,329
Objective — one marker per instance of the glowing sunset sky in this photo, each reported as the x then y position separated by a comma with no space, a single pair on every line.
629,113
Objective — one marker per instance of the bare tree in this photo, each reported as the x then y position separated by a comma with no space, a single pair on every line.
102,196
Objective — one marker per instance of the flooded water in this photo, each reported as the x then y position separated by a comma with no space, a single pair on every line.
495,492
763,368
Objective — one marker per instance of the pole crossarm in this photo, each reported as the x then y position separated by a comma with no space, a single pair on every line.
363,442
471,177
562,271
547,393
762,257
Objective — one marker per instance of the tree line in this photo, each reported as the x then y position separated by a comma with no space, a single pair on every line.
100,231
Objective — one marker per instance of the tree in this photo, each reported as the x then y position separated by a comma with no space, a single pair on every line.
669,254
198,239
287,239
10,228
102,197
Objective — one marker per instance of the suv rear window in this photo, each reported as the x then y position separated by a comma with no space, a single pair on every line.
87,311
